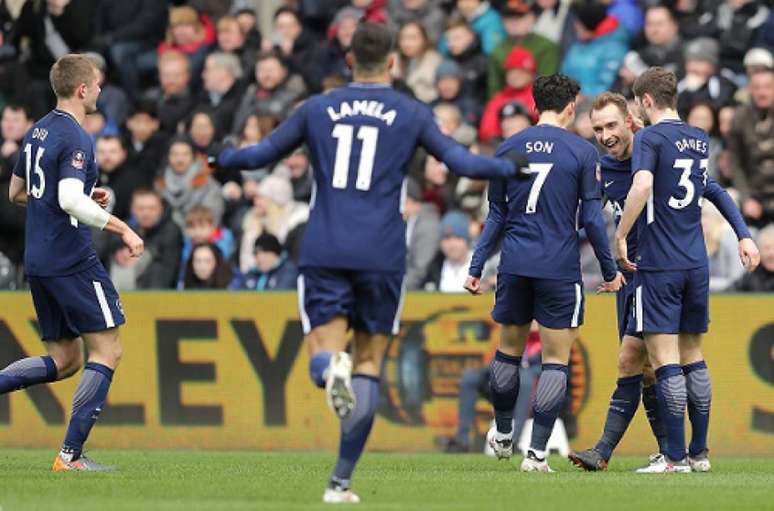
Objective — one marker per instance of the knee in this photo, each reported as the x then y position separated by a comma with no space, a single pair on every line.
648,376
68,362
630,362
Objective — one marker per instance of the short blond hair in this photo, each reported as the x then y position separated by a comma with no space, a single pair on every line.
70,72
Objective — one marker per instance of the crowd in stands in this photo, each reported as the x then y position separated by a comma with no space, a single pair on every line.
181,79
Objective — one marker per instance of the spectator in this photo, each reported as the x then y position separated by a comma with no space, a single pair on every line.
53,28
451,266
762,279
274,211
520,68
255,128
13,126
751,150
722,249
298,170
449,83
222,87
514,117
190,34
126,29
483,20
273,270
185,183
145,142
206,269
173,99
112,101
373,10
248,22
602,44
450,119
465,50
555,21
735,25
702,81
425,12
332,60
702,115
418,61
274,93
519,19
232,40
117,175
628,13
204,133
663,46
200,227
292,43
437,184
157,267
423,234
758,59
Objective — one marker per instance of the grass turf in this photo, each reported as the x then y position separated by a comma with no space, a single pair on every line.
196,480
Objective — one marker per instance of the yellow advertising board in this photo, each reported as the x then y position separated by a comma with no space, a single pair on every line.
229,371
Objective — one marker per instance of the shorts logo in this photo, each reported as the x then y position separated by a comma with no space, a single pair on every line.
120,307
78,160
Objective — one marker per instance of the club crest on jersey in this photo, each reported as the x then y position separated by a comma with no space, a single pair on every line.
78,160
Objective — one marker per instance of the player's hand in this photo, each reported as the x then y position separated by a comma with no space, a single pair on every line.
101,196
621,255
612,286
520,163
473,285
748,253
133,242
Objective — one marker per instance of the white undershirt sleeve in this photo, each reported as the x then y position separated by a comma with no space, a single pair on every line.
74,202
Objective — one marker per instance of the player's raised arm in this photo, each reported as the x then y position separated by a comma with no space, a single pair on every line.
643,164
461,161
493,229
288,136
748,250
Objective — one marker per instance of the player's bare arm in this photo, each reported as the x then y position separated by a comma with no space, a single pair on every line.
17,192
642,186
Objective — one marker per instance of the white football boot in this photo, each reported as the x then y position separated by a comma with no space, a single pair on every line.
532,463
338,385
500,443
660,464
339,496
700,462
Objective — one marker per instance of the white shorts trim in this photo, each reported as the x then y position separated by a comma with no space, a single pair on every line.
103,304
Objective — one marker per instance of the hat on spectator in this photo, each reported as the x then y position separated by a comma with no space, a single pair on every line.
514,109
414,189
520,58
516,8
590,13
759,57
277,189
448,69
455,224
267,243
703,48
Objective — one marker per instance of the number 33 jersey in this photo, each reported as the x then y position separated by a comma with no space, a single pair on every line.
55,148
671,236
361,139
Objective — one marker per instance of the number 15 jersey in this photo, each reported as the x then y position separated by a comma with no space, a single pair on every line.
671,236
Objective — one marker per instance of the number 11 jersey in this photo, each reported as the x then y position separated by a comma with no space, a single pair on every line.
671,236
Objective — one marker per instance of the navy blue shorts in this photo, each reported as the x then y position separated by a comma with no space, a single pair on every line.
624,307
671,302
70,305
370,300
553,303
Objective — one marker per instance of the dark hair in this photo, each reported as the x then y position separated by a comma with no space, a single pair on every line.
660,84
221,275
139,192
287,10
669,9
146,107
271,54
19,107
715,115
113,137
422,31
70,72
610,98
554,92
371,45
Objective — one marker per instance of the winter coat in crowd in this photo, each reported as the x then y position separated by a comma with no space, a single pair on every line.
595,63
194,187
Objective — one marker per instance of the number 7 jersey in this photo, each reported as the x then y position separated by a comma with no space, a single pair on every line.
671,236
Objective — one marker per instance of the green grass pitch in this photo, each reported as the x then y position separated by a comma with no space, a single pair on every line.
198,480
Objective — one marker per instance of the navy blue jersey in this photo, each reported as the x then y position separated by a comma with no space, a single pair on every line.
361,139
616,182
541,238
55,148
671,237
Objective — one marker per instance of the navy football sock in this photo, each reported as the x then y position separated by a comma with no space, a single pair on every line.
356,428
699,389
504,384
90,397
650,402
317,367
623,405
27,371
551,390
672,396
